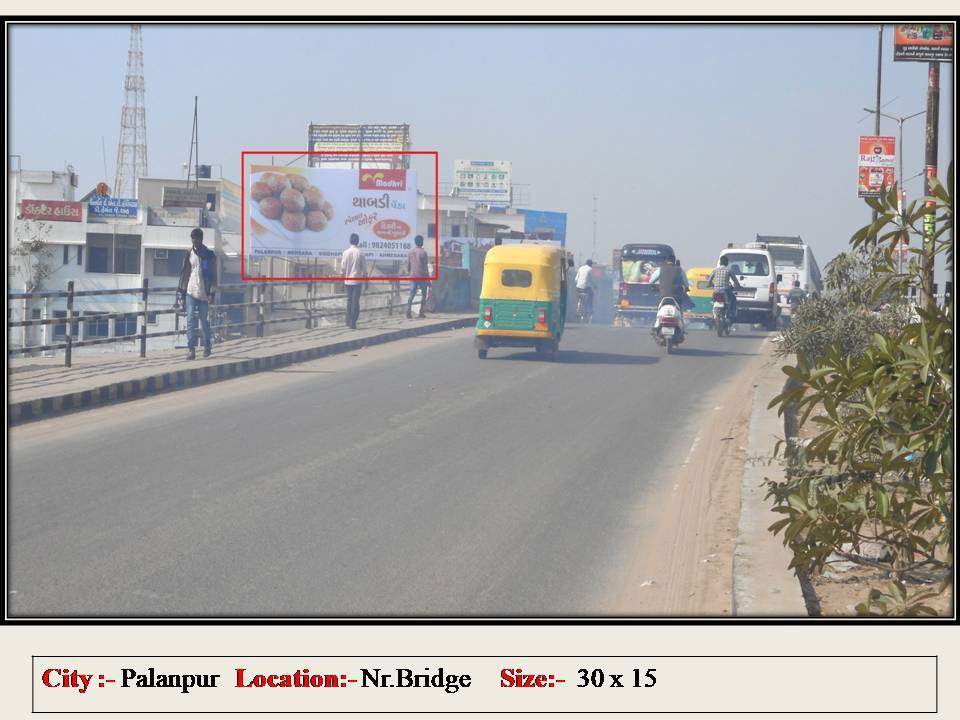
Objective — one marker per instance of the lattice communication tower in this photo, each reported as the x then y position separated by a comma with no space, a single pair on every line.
132,148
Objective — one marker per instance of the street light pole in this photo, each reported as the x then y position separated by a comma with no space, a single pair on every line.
901,195
876,130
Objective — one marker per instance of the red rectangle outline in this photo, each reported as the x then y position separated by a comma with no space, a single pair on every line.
436,212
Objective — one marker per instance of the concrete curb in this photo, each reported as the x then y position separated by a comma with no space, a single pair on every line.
41,408
762,584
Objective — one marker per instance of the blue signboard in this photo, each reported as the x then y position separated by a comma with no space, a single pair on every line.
112,207
546,225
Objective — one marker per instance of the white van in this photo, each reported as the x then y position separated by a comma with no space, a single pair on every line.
794,261
757,296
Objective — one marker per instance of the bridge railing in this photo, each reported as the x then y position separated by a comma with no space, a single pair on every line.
307,309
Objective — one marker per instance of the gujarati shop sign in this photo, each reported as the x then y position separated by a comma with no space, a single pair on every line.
878,154
112,207
923,42
62,210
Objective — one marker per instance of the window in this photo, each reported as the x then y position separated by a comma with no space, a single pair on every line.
96,328
455,231
100,253
431,230
35,313
127,254
79,254
516,278
60,329
152,318
748,264
787,257
125,325
168,262
109,253
66,254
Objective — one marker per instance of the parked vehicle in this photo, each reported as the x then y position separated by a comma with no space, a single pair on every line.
794,261
523,299
669,329
701,295
757,296
721,318
637,297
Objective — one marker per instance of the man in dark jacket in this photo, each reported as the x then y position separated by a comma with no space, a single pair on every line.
673,283
198,282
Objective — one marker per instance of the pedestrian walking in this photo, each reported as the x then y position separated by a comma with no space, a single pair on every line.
417,261
354,265
198,283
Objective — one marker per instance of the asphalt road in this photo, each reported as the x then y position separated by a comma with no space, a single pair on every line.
410,479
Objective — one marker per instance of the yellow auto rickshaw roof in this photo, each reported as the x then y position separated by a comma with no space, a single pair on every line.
544,263
524,255
699,273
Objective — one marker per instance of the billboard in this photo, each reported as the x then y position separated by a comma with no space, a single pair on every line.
875,164
62,210
351,139
99,206
486,181
311,212
923,43
546,225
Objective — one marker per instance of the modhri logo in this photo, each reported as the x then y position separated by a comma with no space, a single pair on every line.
383,179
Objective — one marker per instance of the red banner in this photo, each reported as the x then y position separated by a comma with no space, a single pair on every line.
878,154
61,210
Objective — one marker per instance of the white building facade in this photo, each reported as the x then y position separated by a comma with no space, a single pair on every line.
147,241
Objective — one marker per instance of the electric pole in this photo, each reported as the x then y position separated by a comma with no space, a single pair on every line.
876,125
933,122
594,253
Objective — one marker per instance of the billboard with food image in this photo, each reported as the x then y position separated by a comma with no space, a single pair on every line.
311,212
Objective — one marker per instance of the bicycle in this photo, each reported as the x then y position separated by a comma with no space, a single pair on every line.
584,314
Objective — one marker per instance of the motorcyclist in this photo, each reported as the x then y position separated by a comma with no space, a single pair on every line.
585,284
672,282
723,279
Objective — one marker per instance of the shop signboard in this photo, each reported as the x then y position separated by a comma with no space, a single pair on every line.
57,210
100,206
486,181
546,225
185,196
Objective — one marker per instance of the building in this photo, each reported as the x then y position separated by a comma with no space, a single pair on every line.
109,244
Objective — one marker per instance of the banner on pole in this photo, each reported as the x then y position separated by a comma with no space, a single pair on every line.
878,154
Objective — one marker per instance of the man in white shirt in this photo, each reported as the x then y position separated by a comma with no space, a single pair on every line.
584,282
354,266
198,279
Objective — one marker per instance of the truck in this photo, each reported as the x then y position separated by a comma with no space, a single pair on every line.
794,261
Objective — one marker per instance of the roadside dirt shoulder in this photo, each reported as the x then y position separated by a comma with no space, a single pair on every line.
682,564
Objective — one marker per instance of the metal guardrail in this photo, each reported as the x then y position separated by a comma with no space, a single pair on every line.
310,304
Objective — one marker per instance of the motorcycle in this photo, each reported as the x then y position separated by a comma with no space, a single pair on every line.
720,319
669,329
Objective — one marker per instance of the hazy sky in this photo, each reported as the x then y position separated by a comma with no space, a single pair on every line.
693,135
